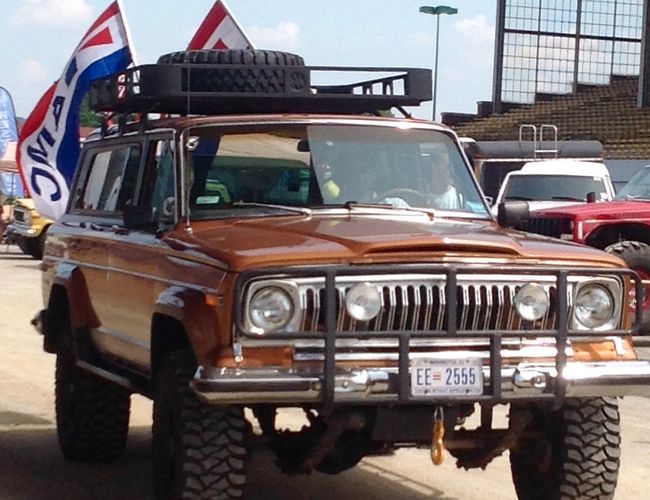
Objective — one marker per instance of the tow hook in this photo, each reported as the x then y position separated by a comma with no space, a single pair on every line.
437,445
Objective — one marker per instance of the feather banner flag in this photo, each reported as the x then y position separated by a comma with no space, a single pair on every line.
48,148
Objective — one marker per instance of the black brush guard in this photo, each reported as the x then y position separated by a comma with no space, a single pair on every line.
493,394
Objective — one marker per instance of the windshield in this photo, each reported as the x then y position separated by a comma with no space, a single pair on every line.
318,166
638,187
554,187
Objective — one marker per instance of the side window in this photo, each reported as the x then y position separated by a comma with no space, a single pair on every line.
112,180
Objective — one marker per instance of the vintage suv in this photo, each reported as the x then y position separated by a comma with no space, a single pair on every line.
270,243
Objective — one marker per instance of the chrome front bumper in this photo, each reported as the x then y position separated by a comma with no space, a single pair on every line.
380,385
24,231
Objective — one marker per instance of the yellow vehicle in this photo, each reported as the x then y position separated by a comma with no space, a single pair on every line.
29,228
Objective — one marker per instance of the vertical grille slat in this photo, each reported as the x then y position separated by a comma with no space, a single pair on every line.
426,325
417,302
463,306
341,316
440,319
391,307
488,308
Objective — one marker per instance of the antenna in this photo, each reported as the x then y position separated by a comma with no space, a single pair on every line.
186,185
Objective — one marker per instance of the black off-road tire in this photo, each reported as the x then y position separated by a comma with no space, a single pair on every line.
576,456
23,244
199,450
92,414
33,246
250,57
258,76
36,246
637,257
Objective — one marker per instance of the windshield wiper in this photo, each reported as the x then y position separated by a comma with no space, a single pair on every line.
567,198
518,198
288,208
633,197
349,205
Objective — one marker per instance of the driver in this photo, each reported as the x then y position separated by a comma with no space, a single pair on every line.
443,194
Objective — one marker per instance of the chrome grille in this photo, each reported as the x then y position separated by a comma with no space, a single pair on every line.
544,226
419,303
19,215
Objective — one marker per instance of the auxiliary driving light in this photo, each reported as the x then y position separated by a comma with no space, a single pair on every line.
363,301
531,302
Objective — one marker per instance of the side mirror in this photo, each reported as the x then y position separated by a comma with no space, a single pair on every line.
140,217
512,213
591,197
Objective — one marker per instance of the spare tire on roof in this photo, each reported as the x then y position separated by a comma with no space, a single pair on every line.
233,56
258,76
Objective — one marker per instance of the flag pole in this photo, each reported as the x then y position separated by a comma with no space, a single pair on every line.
127,30
248,40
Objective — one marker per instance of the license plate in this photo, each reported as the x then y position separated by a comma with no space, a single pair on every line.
460,377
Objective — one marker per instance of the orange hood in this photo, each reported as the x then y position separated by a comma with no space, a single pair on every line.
292,240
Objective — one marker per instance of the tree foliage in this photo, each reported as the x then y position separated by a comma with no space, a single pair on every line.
87,117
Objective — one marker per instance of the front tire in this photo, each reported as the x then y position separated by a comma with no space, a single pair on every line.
199,450
575,454
92,414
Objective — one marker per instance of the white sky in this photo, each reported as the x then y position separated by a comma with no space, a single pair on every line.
38,36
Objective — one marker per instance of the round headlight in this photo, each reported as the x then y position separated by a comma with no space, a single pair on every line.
531,302
594,306
270,309
363,301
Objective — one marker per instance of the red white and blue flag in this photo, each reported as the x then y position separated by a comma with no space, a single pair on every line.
48,148
220,30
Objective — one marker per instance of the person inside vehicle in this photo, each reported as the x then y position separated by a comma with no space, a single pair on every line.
442,192
330,190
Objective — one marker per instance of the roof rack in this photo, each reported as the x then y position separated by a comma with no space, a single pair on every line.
208,89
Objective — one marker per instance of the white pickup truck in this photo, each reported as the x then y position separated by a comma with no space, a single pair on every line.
552,183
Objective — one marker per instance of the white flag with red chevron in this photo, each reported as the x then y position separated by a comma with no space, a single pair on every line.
48,147
220,30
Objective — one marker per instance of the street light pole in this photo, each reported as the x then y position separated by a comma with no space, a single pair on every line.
436,11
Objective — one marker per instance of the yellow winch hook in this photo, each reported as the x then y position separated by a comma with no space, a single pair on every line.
437,445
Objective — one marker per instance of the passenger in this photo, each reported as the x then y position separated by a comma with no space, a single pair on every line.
330,190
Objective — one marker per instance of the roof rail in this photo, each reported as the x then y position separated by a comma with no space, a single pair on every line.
199,89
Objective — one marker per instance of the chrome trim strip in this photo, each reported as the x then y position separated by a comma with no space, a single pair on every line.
541,352
106,332
455,342
150,277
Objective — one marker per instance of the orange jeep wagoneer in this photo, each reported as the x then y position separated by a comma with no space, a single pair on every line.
243,238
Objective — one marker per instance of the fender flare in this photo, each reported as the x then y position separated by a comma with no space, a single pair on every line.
82,314
189,307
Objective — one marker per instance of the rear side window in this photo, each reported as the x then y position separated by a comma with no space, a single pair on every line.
112,179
